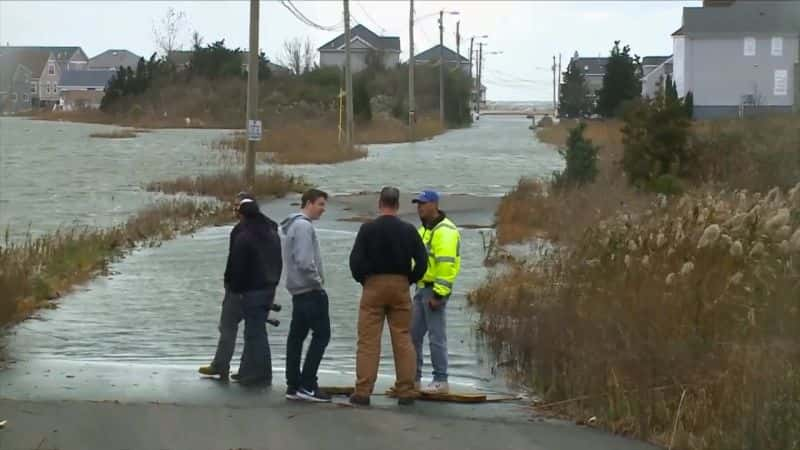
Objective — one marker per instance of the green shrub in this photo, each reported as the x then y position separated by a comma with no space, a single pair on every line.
580,156
655,140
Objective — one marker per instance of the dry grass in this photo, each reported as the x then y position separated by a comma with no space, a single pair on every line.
295,145
226,184
37,271
116,134
694,298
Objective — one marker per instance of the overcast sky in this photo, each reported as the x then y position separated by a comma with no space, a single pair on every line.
528,33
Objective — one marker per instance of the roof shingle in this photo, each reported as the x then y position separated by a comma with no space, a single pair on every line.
386,43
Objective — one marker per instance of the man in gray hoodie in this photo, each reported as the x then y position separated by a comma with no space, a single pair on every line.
305,281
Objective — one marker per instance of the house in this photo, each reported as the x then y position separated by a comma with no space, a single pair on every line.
113,59
738,57
655,75
363,42
594,69
47,64
433,54
83,89
15,84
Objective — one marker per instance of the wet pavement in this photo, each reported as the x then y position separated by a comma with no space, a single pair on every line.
114,365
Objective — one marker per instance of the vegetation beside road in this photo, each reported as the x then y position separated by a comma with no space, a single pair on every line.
36,272
667,308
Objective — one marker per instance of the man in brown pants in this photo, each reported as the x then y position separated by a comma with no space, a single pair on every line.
387,257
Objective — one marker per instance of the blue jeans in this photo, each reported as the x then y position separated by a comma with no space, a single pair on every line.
309,313
424,321
253,307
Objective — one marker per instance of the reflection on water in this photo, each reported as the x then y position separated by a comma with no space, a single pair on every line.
161,305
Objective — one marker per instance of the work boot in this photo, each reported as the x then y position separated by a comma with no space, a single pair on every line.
211,371
391,392
359,400
437,387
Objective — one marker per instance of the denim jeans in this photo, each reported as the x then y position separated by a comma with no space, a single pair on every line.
253,307
424,321
309,313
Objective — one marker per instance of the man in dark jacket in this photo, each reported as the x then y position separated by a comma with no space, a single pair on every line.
252,272
387,257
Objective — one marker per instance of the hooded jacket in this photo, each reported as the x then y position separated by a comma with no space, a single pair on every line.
301,255
254,260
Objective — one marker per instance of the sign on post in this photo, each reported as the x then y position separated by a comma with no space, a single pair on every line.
254,130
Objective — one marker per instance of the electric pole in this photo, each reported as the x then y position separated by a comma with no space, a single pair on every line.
252,96
471,41
554,84
348,77
478,80
411,63
441,68
558,105
458,39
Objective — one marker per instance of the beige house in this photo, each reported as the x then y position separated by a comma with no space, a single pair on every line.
362,43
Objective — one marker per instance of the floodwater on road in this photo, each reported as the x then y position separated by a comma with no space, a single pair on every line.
160,306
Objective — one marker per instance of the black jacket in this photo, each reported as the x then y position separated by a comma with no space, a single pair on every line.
254,260
387,246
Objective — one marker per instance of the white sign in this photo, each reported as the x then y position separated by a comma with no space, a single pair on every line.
749,46
254,130
781,82
777,46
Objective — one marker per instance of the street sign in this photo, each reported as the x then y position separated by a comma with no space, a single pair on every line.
254,130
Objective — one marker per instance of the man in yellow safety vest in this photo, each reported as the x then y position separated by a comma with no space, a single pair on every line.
443,243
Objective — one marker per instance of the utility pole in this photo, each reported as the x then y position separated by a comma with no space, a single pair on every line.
252,96
458,39
478,80
441,68
411,63
471,41
348,76
558,105
554,84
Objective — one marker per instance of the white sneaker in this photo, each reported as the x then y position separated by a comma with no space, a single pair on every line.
437,387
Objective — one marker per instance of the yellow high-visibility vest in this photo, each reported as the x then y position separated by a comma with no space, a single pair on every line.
443,243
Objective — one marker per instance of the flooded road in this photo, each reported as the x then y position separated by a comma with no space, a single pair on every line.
160,306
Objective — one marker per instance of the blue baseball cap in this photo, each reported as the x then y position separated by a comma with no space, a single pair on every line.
427,196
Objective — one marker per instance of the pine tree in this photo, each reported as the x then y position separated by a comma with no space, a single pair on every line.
580,156
688,105
573,93
621,82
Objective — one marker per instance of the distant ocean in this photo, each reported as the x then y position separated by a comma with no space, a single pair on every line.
518,105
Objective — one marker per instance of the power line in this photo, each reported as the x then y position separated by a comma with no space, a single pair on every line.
303,18
374,22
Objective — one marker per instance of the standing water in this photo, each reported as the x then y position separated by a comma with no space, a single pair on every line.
160,306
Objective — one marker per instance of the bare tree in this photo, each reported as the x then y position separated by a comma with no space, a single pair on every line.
298,55
166,33
197,40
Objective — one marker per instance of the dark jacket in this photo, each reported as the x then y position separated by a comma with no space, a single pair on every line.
254,260
387,246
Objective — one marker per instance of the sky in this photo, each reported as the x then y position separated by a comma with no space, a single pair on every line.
528,33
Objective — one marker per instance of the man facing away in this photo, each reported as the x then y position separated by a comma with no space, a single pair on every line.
305,281
252,273
443,243
387,257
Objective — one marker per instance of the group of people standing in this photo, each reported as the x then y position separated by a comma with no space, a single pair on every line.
388,258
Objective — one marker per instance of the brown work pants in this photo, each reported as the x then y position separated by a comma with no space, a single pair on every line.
385,296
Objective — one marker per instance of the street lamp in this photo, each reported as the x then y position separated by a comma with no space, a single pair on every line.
471,42
442,63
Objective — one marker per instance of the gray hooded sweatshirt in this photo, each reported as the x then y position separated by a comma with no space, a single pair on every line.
302,261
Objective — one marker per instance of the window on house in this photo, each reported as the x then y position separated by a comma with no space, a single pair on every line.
33,87
781,83
25,97
14,97
51,69
749,46
777,46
